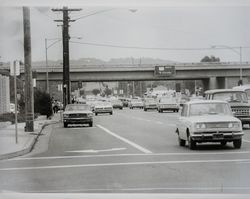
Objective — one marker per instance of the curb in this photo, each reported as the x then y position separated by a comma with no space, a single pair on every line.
30,145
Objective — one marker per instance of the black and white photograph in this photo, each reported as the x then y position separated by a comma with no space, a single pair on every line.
125,99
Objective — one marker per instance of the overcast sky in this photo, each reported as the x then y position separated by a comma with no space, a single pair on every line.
177,33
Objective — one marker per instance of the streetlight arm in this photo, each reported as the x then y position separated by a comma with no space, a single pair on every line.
53,43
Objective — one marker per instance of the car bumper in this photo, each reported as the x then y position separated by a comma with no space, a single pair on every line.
78,120
218,136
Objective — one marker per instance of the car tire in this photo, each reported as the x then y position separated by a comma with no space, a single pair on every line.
111,113
96,113
65,125
90,124
191,143
237,143
181,141
145,109
223,143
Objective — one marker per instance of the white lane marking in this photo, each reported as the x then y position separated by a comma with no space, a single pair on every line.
125,155
96,151
142,149
125,164
245,140
187,196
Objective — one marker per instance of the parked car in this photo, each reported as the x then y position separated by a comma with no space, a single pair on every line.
208,121
103,107
117,104
167,103
236,98
149,103
135,103
77,114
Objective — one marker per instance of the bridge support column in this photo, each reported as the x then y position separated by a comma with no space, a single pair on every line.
215,83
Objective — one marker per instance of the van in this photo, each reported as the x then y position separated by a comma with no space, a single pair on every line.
237,100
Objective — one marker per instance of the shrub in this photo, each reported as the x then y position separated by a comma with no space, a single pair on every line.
42,103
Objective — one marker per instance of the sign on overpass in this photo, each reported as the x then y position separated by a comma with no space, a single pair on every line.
164,71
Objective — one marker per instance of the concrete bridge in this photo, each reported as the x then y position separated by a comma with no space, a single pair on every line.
213,75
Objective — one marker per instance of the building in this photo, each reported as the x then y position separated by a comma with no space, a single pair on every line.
4,91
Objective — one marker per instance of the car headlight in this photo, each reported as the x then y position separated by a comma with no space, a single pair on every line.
233,125
65,116
200,126
89,114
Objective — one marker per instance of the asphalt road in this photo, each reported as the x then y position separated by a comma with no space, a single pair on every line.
131,151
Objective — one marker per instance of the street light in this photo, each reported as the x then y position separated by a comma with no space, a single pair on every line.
233,49
46,56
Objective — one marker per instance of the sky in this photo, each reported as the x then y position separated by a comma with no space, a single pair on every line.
177,32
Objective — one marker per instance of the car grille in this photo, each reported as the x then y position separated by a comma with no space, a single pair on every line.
77,115
101,109
217,125
241,110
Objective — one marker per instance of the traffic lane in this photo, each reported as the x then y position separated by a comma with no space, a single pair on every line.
155,131
76,140
204,177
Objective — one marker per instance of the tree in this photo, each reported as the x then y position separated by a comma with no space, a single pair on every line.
42,103
95,91
212,58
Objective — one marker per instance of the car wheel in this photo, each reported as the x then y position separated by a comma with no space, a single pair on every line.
91,124
65,125
223,143
237,143
191,143
96,113
111,113
145,109
181,141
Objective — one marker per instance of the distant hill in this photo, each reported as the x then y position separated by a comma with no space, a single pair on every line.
113,61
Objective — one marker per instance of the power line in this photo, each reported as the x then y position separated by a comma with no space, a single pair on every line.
148,48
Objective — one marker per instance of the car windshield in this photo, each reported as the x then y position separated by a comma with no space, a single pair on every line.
209,108
167,99
231,96
77,108
150,100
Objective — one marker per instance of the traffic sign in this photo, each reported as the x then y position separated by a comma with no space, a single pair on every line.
164,71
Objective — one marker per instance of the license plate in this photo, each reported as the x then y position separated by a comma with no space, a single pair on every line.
218,136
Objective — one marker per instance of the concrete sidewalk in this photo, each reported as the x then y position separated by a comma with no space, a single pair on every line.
26,140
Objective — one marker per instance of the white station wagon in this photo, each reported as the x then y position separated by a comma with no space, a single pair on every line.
208,121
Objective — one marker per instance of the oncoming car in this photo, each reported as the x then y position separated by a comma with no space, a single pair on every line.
208,121
103,107
149,103
77,114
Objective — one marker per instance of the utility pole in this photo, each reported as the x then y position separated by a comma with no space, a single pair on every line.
29,97
66,62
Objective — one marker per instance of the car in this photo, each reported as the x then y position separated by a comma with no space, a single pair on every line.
125,101
208,121
117,103
103,107
77,114
135,103
167,103
237,100
149,103
245,88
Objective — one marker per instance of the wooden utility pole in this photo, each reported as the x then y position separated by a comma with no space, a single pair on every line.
66,62
29,97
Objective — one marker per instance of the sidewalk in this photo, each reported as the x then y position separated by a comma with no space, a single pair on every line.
26,140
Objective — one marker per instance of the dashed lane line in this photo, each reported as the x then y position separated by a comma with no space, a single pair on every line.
140,148
125,164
